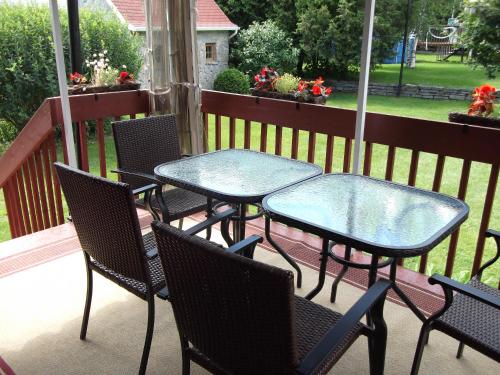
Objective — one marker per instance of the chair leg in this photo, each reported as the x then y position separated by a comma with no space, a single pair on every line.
88,300
460,350
377,340
149,334
186,362
422,340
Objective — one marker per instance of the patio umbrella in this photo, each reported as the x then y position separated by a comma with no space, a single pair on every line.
63,88
173,67
366,49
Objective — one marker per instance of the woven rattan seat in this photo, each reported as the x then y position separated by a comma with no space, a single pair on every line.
141,145
239,316
479,323
181,203
471,316
105,218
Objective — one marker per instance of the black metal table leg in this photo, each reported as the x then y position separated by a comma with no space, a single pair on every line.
347,256
282,252
325,248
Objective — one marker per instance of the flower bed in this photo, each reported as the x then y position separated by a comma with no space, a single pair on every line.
88,89
463,118
481,109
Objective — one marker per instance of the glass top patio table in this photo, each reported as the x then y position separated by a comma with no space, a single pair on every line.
235,176
375,216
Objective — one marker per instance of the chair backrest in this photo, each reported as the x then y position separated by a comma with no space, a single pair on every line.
105,219
238,312
143,144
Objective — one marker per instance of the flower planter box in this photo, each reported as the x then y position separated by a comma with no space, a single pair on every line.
463,118
87,89
291,97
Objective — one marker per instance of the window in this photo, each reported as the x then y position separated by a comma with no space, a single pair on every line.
210,52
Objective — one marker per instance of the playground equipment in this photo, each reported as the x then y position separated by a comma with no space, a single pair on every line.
444,41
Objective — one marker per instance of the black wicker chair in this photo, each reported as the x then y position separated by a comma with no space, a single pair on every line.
143,144
239,316
472,316
105,219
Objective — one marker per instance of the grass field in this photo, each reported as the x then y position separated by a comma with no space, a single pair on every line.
429,71
419,108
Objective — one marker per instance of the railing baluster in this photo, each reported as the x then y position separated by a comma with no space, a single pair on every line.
436,186
133,116
485,218
295,143
41,187
63,143
278,141
248,134
29,193
462,191
232,132
367,165
217,132
102,146
347,155
412,176
57,187
36,194
205,129
389,168
24,202
16,209
311,147
48,178
84,151
11,212
330,139
263,137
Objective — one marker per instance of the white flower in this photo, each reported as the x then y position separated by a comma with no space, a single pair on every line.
100,64
94,55
124,66
88,65
105,51
107,60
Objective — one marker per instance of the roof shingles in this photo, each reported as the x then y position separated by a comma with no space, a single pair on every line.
209,14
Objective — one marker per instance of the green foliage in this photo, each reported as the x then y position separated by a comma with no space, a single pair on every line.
7,134
482,34
27,62
244,12
286,83
264,44
431,13
232,80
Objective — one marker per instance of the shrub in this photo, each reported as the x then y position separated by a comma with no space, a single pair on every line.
27,63
286,83
232,80
264,44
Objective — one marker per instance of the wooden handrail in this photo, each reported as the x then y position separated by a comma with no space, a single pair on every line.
38,128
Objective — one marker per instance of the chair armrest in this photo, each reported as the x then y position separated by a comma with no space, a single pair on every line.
247,243
336,334
493,233
466,289
496,236
210,221
145,176
144,189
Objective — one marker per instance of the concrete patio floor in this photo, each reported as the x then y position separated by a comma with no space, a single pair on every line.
41,310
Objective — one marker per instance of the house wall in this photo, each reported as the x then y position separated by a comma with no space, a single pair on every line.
210,70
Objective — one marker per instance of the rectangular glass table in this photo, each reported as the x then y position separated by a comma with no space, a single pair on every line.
379,217
238,177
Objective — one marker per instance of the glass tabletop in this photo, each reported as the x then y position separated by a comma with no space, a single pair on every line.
368,213
237,176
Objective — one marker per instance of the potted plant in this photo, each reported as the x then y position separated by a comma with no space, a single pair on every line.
104,78
480,110
268,83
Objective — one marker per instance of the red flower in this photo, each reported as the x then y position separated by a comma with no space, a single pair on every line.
123,75
301,86
328,91
316,90
319,81
256,78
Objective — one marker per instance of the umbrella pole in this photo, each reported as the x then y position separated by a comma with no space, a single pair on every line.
364,75
63,87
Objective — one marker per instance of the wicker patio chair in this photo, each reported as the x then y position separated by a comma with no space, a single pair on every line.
105,219
239,316
143,144
472,316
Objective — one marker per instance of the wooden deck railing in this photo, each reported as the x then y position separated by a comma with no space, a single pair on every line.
316,133
445,140
31,190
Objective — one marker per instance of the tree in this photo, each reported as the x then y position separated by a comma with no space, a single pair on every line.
264,44
482,34
244,12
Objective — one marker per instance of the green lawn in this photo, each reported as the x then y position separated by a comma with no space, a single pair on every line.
419,108
429,71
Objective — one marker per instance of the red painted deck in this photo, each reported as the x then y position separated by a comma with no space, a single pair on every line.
29,251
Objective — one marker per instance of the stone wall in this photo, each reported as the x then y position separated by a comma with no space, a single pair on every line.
210,70
415,91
